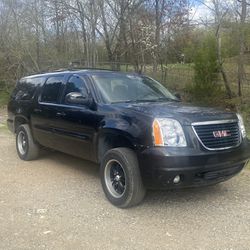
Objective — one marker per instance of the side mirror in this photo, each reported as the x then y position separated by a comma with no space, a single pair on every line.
77,98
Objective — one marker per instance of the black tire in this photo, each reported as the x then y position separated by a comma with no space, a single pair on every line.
27,150
131,190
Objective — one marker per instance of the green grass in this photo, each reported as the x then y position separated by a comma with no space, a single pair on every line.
4,98
248,166
3,127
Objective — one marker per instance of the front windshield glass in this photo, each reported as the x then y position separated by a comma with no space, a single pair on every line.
115,87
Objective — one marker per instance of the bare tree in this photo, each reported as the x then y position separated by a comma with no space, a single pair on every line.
241,70
219,15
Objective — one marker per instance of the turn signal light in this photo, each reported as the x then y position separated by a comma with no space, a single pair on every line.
158,140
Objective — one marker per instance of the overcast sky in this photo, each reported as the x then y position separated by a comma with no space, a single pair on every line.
200,11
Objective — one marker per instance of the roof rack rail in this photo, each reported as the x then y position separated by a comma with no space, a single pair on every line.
51,71
90,68
60,70
73,69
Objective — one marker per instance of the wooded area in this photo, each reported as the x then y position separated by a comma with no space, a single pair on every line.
162,38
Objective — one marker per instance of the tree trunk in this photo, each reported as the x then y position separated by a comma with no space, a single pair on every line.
107,40
84,34
157,36
93,18
38,61
218,20
222,70
241,70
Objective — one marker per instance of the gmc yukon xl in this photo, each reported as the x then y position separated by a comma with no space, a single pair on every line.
141,134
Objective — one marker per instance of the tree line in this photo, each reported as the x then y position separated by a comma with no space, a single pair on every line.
38,35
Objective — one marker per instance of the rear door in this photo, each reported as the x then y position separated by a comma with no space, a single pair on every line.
45,112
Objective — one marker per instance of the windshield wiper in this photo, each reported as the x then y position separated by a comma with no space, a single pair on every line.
157,100
125,101
147,100
167,99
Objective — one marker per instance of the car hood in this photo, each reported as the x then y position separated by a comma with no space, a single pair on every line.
184,113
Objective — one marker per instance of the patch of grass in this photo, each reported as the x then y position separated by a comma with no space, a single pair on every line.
4,98
3,127
248,166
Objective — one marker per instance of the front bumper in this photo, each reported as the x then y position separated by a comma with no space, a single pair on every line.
195,167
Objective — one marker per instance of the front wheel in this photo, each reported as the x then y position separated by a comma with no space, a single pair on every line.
121,178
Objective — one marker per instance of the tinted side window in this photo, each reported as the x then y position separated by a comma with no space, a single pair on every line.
25,88
51,89
75,84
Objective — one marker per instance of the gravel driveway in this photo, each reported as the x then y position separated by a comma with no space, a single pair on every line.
57,202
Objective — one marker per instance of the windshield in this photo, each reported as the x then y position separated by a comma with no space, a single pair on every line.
117,87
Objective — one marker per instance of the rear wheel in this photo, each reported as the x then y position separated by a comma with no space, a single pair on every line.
121,179
27,149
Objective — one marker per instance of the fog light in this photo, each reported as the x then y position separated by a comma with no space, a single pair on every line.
177,179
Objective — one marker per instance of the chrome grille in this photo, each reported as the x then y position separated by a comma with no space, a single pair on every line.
218,135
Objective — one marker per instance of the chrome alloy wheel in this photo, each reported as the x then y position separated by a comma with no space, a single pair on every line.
115,178
22,143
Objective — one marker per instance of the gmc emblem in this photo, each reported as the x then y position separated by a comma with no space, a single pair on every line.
221,133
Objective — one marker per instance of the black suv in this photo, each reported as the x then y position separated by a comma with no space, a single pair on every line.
140,133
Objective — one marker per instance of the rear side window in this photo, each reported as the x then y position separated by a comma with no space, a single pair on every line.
25,88
51,89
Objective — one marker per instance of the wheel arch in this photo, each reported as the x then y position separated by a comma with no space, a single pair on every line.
110,138
19,120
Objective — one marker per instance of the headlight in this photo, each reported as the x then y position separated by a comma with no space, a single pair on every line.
168,132
241,126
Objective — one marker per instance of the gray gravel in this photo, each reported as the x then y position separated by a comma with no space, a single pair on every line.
57,202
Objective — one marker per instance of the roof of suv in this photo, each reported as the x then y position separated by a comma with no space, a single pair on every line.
77,71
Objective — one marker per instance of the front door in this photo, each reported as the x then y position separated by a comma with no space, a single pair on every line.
74,126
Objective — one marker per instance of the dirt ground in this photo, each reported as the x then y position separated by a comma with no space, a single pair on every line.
57,202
